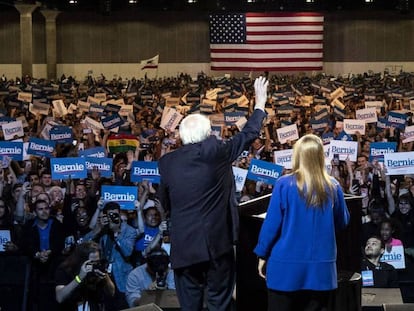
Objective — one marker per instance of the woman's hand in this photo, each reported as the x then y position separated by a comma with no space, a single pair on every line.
261,268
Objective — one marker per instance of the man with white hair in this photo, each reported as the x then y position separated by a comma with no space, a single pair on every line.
197,190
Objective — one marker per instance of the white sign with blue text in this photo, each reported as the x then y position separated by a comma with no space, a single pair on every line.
239,177
125,196
13,130
68,168
287,133
399,163
283,158
345,149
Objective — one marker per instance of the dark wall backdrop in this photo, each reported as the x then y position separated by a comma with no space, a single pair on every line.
128,37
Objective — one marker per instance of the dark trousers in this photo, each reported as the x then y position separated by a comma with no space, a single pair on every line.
216,276
303,300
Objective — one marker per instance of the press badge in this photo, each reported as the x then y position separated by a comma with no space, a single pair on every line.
367,278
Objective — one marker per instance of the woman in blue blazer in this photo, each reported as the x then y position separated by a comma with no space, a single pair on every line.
297,247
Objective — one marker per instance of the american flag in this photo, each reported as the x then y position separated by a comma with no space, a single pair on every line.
266,41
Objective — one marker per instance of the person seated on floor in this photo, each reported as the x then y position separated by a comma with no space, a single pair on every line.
154,274
374,272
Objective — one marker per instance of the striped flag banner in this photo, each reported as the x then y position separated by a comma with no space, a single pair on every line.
266,41
150,63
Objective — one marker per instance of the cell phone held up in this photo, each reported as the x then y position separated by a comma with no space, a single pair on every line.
335,159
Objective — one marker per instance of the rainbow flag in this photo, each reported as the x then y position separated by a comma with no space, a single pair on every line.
122,143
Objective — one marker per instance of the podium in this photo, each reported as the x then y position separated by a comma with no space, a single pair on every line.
251,288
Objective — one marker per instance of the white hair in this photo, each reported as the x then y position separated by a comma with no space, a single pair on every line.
194,129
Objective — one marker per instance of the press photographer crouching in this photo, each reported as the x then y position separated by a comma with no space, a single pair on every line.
153,275
82,281
116,239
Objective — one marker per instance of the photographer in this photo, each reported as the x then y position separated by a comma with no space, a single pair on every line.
82,280
153,275
116,239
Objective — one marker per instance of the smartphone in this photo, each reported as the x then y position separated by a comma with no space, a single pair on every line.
336,159
355,182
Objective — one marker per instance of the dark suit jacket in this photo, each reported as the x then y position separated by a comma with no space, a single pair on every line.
31,245
197,188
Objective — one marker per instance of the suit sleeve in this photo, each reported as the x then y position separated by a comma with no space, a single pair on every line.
249,133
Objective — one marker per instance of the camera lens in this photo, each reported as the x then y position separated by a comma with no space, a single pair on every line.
114,217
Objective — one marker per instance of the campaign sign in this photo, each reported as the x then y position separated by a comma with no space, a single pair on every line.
377,150
61,134
144,170
382,124
396,119
125,196
321,114
239,177
345,149
230,118
96,108
408,134
97,152
369,115
4,238
112,108
65,168
343,136
112,121
283,158
6,120
399,163
41,147
264,171
287,133
395,257
104,165
352,126
319,125
327,137
12,130
11,149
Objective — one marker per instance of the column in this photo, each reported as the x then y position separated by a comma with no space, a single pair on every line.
26,36
51,54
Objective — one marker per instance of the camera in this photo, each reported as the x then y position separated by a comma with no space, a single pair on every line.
167,232
114,217
158,261
100,265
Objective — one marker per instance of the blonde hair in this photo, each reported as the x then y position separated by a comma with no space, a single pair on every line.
312,179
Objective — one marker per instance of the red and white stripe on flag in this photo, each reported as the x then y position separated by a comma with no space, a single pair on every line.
267,41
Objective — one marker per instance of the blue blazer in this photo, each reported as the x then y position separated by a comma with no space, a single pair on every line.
299,242
197,187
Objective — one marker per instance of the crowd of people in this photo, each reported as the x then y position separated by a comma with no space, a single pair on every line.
78,243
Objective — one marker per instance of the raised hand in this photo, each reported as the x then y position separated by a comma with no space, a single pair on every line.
260,89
